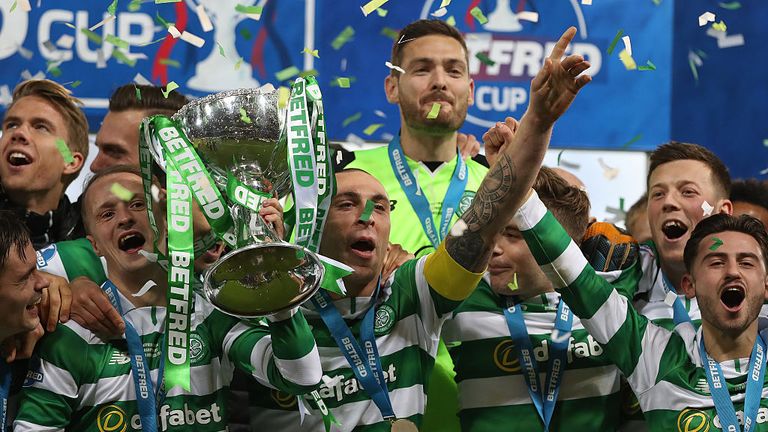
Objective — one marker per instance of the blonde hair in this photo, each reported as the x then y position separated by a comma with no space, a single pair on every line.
67,105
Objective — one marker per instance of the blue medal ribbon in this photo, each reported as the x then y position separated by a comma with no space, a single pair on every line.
544,399
365,360
719,388
5,391
417,198
679,313
145,394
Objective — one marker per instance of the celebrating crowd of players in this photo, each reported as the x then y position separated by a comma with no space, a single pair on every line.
511,312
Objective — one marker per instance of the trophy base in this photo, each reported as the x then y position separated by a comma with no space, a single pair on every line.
262,279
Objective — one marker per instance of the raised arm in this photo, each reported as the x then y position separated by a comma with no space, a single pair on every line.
511,176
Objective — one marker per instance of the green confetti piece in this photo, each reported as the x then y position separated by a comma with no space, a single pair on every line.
716,243
287,73
169,88
112,8
221,50
366,215
484,59
116,41
451,21
720,26
121,192
513,286
311,72
244,116
122,58
730,6
93,37
621,204
634,139
343,37
162,21
559,155
353,118
615,40
75,84
166,1
434,111
151,42
249,9
650,66
372,128
382,12
343,82
478,14
693,69
765,142
66,153
313,53
55,71
134,5
169,62
238,63
656,2
245,33
70,25
390,33
138,93
13,6
701,53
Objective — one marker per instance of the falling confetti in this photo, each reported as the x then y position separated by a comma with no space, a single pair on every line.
121,192
202,16
649,66
372,128
478,14
169,88
112,8
353,118
393,67
634,139
342,82
615,40
116,41
608,172
287,73
528,16
343,37
629,62
720,26
66,153
705,18
313,53
730,6
484,59
369,205
390,33
372,6
627,44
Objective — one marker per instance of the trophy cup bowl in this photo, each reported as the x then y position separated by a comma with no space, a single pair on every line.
238,132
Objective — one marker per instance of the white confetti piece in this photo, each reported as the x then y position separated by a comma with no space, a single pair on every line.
380,113
148,285
608,172
5,95
192,39
692,56
65,41
393,67
627,44
27,54
151,257
108,19
457,230
202,16
705,18
528,16
303,411
24,5
101,62
155,191
49,46
586,2
445,3
730,41
439,13
356,141
670,298
174,32
386,136
707,208
570,165
331,382
141,80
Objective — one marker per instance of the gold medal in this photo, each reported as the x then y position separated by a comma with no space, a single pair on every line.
404,425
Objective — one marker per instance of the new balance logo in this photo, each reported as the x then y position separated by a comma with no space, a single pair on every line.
119,358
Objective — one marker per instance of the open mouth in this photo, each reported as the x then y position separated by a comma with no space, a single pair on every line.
673,229
18,159
732,298
363,247
34,304
131,242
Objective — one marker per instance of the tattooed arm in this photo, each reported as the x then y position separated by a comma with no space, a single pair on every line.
519,157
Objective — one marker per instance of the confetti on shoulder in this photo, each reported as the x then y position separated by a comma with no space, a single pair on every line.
121,192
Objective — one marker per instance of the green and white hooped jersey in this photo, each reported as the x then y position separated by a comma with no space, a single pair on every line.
493,394
407,230
663,367
82,383
650,294
409,315
71,259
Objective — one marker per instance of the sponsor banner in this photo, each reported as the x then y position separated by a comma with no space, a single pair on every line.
238,51
617,107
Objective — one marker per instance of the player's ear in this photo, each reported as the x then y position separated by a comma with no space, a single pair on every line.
689,286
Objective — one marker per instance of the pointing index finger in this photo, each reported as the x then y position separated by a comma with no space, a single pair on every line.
562,43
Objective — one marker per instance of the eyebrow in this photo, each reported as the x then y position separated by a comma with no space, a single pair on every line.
28,273
739,255
355,195
32,120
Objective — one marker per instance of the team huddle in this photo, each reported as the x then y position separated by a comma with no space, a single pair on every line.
482,296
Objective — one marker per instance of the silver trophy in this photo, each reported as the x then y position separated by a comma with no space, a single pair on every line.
239,132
